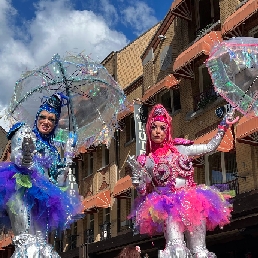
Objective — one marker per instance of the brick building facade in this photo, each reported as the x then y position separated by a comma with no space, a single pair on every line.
172,69
166,65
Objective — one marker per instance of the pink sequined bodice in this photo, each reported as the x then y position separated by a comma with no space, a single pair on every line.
166,169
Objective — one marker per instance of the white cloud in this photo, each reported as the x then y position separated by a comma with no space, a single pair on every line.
109,12
56,28
139,16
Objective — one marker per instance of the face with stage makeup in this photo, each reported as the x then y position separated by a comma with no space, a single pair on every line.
158,132
158,128
46,122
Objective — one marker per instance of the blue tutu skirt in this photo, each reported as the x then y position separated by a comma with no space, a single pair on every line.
51,207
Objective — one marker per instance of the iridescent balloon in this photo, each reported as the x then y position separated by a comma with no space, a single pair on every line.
233,66
95,98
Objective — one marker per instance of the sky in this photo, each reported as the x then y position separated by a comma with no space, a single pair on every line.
31,32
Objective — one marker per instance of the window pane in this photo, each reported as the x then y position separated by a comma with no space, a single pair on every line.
106,155
215,168
166,101
231,166
206,79
132,126
118,215
176,99
91,221
255,35
205,13
107,215
91,164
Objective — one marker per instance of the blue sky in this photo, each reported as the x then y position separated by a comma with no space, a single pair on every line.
155,11
31,32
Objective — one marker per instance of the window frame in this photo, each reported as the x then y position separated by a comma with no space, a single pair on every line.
90,164
105,155
222,164
130,129
197,13
172,109
253,31
106,214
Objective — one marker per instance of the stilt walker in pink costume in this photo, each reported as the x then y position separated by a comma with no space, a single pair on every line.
168,199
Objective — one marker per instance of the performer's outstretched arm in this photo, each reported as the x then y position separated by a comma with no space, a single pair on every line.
213,144
201,149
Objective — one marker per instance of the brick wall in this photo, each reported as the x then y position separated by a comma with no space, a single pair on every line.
126,66
129,63
227,7
3,141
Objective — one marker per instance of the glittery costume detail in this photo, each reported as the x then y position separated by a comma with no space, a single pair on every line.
13,130
31,246
35,194
169,201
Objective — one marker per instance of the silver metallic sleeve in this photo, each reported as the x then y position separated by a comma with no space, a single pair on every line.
201,149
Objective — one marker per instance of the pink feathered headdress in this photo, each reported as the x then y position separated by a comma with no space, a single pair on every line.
158,113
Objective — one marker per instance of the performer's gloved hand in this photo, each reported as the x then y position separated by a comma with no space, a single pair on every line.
136,168
139,175
228,120
28,149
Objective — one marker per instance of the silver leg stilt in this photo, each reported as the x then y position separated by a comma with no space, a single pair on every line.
197,244
29,241
20,217
175,244
33,246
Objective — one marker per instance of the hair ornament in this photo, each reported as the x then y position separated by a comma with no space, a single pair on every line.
160,111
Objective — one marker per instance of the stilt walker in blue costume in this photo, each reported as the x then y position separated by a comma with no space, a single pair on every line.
34,188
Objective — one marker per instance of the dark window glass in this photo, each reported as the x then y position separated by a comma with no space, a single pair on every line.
205,13
176,100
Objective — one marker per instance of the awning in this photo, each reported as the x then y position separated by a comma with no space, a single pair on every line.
129,110
201,47
168,82
100,200
123,187
181,8
226,144
238,17
247,129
